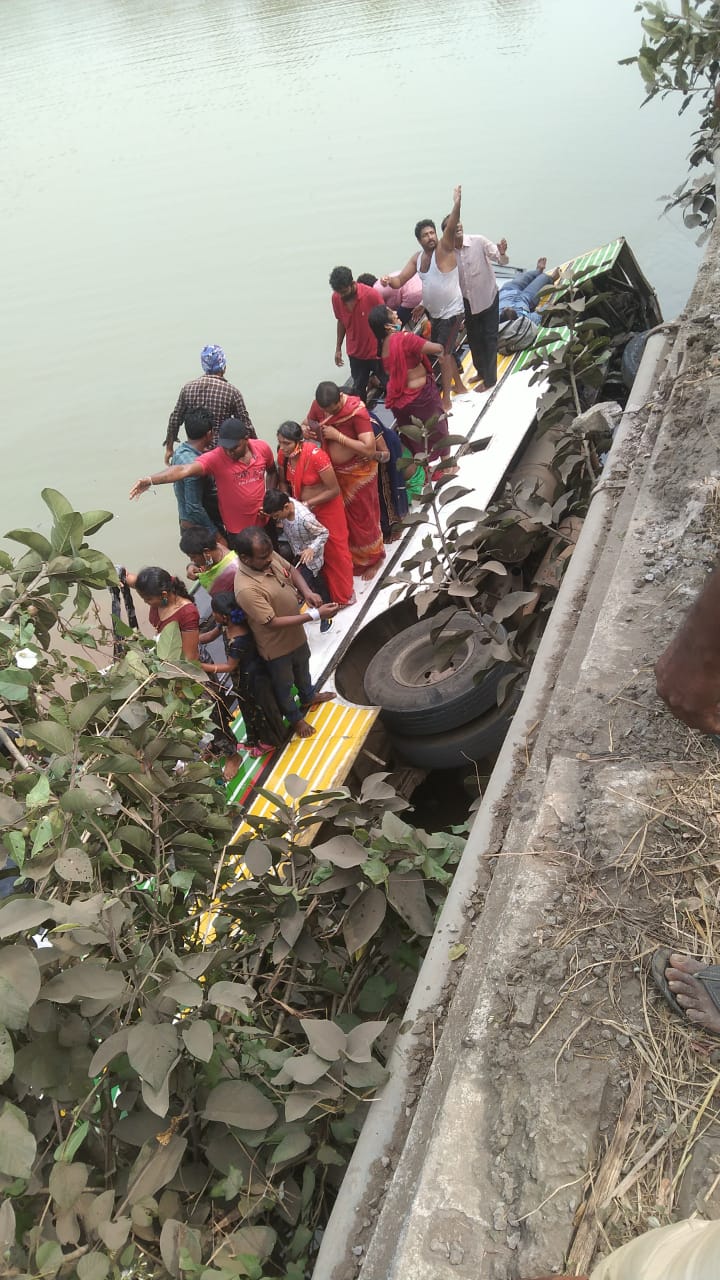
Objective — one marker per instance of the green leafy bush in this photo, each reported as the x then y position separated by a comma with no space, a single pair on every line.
189,1031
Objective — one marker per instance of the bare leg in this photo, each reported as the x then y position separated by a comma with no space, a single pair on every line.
447,373
231,766
317,698
692,995
368,574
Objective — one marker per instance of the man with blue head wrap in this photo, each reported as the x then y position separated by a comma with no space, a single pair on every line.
212,359
210,391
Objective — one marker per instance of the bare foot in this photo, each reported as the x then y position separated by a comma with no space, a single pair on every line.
460,389
476,377
480,388
230,768
303,729
317,698
368,574
447,405
541,264
692,995
555,273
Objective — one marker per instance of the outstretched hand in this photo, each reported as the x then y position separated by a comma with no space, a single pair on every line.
140,486
457,195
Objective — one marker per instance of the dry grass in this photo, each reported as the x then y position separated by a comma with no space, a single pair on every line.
662,889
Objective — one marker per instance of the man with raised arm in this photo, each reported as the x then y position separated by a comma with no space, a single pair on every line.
437,267
475,256
242,468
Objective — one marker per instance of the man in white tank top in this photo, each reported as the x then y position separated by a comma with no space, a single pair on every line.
437,267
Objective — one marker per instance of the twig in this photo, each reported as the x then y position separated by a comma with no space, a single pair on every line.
631,1178
17,755
585,1242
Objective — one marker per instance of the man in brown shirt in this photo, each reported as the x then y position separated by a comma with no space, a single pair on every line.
267,589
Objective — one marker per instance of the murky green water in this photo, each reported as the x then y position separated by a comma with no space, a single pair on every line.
189,172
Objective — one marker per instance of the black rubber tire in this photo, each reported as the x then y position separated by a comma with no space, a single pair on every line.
469,742
414,697
631,357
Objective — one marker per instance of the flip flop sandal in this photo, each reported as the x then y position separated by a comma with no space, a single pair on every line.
658,965
709,976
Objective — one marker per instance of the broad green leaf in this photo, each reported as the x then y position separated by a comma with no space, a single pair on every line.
176,1238
156,1165
7,1225
67,1183
341,851
114,1234
325,1038
406,894
238,1103
67,533
169,643
14,1008
74,865
17,1144
14,842
15,684
152,1049
42,836
257,858
291,1146
361,1039
231,995
72,1144
48,1258
94,520
39,794
19,966
83,711
86,978
24,914
57,502
7,1055
11,811
198,1039
363,919
183,991
30,538
94,1266
109,1049
295,785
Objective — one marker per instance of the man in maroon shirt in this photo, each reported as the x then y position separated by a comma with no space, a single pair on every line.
242,468
352,303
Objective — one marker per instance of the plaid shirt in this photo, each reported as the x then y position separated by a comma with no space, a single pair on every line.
211,392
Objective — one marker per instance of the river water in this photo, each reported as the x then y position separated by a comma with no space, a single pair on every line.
189,172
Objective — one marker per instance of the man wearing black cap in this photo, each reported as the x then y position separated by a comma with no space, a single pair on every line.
242,468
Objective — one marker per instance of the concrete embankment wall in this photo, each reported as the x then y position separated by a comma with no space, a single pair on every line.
451,1178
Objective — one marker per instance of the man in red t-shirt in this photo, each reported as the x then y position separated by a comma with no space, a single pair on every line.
351,304
243,468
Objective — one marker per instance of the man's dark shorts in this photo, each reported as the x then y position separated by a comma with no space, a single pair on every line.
446,331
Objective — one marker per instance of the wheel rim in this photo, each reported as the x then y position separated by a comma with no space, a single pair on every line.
415,667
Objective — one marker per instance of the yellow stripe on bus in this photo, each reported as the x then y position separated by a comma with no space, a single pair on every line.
324,760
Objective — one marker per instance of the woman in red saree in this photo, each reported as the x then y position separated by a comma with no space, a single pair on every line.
344,429
411,390
307,473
